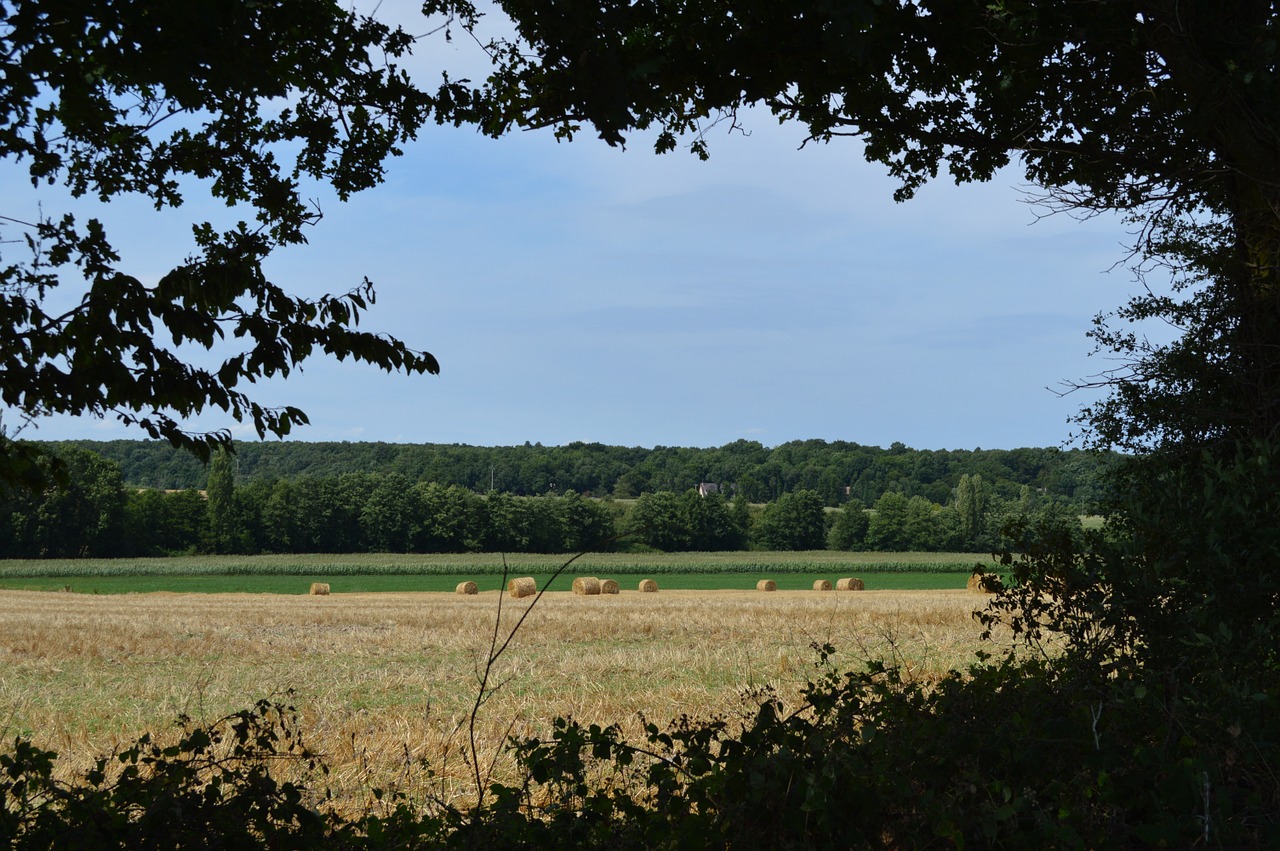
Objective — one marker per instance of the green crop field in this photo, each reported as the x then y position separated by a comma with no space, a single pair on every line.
292,574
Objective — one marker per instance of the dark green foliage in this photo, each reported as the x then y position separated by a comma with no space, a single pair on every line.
656,520
849,529
1034,754
451,520
794,522
388,511
224,517
686,522
377,513
1182,588
972,502
887,527
383,512
159,524
214,788
249,102
900,523
588,524
753,471
84,516
522,524
389,515
327,513
712,526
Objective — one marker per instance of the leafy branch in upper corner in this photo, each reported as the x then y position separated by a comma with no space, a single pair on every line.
243,101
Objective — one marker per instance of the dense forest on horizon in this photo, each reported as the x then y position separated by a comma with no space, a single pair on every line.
837,471
95,514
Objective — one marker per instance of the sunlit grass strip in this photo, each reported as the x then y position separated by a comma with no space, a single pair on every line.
489,564
444,583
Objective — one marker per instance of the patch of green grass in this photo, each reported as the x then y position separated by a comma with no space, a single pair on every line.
352,573
820,562
352,584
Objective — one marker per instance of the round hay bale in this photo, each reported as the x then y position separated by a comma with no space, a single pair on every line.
822,585
608,586
766,585
525,586
851,584
648,586
978,586
586,586
319,589
466,588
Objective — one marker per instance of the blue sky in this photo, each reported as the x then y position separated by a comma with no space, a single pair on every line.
579,292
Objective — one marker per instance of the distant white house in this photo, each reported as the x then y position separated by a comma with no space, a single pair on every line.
705,488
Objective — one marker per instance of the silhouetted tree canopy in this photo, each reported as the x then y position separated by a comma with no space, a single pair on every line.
247,102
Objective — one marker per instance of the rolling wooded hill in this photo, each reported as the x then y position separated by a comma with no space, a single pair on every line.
837,470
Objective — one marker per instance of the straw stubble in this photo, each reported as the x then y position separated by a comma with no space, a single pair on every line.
394,673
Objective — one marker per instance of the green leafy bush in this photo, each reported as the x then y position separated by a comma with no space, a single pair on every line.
215,788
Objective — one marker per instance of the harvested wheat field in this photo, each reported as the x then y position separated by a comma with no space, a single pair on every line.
383,680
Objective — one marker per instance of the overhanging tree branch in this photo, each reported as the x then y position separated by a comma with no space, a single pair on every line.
114,100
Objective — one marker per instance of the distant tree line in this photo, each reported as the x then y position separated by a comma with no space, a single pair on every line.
98,515
837,471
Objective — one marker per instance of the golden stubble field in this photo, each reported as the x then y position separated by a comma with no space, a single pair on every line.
384,681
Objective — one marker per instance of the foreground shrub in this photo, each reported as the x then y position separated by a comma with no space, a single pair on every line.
213,789
1021,754
1013,754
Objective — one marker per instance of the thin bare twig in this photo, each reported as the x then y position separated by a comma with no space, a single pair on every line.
495,653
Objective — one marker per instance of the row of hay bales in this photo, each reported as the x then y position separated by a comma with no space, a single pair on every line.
321,589
846,584
589,586
527,586
583,586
